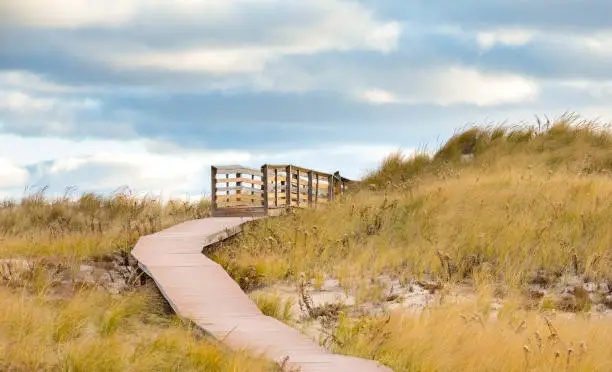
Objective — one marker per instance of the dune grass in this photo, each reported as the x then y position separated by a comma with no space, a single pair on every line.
94,331
274,305
523,204
495,209
472,338
90,329
88,226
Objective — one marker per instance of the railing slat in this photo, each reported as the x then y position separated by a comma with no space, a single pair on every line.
241,179
240,188
237,169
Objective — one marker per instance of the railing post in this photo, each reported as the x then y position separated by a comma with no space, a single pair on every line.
330,186
299,191
252,190
288,180
213,190
310,189
264,181
276,187
317,191
238,184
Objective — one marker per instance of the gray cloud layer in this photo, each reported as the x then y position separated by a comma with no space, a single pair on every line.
278,75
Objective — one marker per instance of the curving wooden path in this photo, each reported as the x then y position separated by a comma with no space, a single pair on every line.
200,290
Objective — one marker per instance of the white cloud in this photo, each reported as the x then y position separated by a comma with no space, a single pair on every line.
29,150
251,59
302,27
334,23
598,89
330,35
51,115
39,112
461,85
22,103
378,96
21,80
457,85
599,43
220,61
69,13
594,43
11,175
512,37
95,165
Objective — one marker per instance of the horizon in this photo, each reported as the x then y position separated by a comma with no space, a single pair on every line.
149,94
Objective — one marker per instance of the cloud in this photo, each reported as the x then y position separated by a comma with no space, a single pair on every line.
594,88
33,105
224,61
599,43
511,37
71,13
31,113
104,90
306,28
458,85
22,103
11,175
94,165
254,58
378,96
26,80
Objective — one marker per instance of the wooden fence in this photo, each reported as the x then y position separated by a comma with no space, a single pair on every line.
242,191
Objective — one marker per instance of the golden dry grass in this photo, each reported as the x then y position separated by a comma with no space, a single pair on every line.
95,331
92,330
470,338
513,210
528,200
274,305
92,225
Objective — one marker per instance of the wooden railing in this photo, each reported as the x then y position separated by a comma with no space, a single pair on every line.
242,191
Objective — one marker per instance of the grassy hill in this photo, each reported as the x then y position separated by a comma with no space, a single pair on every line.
504,230
516,218
71,299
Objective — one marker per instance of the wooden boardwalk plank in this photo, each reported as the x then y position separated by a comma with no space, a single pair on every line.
199,289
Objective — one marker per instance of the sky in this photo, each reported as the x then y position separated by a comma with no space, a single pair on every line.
96,95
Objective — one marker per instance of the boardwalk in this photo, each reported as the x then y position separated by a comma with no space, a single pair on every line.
200,290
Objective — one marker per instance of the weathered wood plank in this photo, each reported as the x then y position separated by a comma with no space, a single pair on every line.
288,184
305,170
276,187
239,188
241,179
310,189
213,189
226,197
240,211
264,171
236,169
239,205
